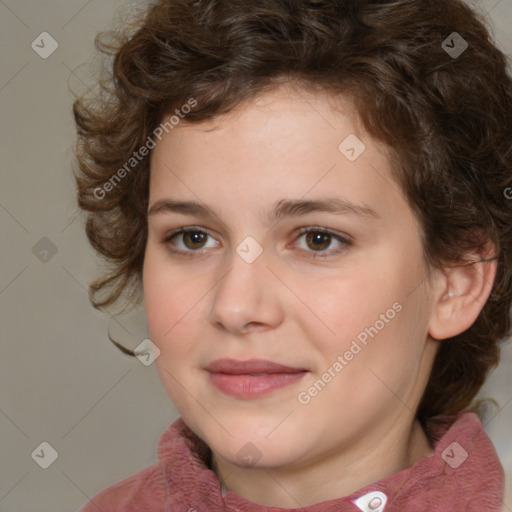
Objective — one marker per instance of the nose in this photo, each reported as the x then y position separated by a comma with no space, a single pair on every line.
248,297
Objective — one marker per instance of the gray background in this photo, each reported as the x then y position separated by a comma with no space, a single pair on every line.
62,381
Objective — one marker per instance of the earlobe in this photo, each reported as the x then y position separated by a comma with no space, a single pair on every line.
463,293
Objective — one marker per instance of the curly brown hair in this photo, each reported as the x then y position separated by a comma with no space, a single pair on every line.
444,117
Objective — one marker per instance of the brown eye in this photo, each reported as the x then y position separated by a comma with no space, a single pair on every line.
186,240
319,240
194,239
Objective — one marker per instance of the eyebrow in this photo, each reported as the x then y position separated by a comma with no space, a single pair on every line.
281,209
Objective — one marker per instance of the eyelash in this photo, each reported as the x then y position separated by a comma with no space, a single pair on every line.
345,242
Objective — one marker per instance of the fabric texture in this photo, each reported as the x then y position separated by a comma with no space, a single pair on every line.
464,474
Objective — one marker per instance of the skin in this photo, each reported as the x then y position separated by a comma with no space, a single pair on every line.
287,307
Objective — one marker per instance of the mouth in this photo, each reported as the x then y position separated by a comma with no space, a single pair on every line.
252,378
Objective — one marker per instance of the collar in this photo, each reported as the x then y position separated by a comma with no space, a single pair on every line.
463,474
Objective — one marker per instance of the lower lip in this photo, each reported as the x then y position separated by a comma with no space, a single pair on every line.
253,386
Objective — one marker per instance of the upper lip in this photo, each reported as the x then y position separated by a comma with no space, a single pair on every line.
238,367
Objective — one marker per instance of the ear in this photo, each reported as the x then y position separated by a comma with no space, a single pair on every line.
462,293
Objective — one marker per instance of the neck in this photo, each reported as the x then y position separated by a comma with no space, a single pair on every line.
334,476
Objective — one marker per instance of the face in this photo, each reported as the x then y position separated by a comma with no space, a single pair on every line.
303,329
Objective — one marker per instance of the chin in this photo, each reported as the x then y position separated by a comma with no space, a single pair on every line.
257,451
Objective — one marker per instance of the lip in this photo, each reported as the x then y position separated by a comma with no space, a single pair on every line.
251,378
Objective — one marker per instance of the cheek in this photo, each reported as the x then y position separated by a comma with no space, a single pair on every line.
175,307
348,305
162,287
373,316
156,296
166,305
164,299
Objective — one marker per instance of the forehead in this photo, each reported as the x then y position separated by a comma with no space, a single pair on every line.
287,142
282,106
284,125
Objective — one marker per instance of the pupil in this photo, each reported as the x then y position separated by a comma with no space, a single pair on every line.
317,239
195,236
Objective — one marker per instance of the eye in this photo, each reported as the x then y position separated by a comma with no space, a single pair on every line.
320,239
192,237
